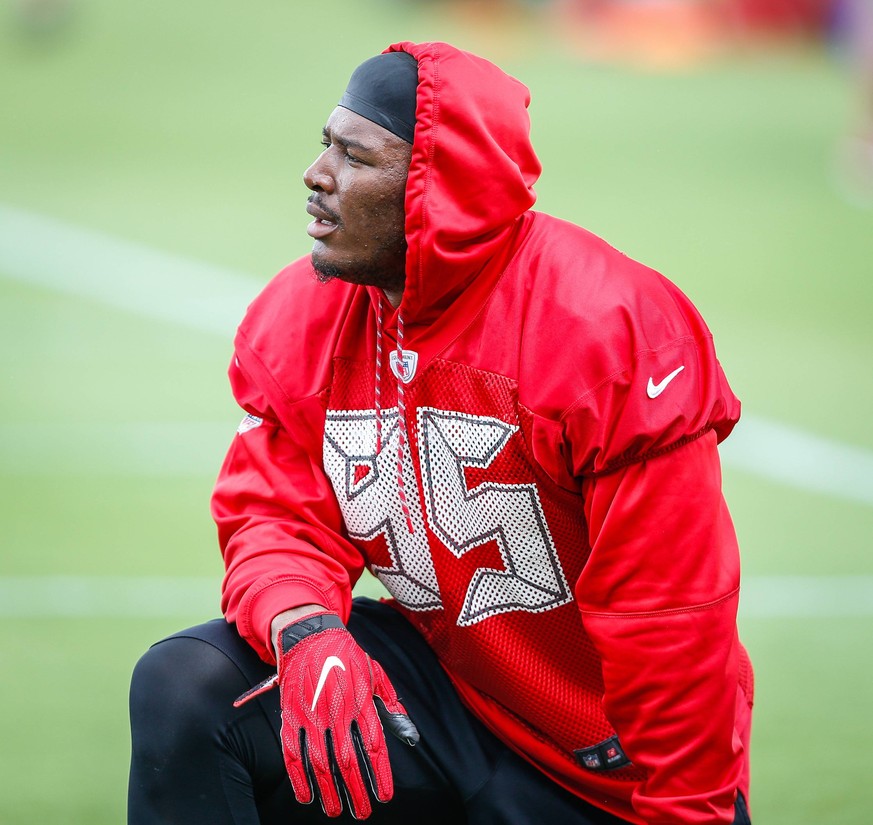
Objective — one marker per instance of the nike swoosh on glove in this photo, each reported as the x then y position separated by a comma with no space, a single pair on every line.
332,696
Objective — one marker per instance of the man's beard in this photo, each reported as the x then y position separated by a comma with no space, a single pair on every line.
368,273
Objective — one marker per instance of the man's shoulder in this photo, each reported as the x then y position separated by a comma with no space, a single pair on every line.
287,338
293,302
294,284
582,272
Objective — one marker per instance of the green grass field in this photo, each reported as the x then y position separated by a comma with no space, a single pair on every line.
165,134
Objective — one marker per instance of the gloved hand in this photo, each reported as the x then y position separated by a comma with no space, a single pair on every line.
332,696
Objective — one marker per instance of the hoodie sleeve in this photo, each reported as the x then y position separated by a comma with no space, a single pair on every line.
658,598
279,526
659,592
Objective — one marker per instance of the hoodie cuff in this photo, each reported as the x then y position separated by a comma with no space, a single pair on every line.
262,604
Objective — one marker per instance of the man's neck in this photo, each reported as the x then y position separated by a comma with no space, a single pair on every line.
394,297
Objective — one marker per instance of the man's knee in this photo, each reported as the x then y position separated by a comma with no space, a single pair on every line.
183,725
179,688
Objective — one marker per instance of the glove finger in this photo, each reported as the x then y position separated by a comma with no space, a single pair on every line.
374,768
297,765
382,687
323,768
369,740
398,722
391,711
350,777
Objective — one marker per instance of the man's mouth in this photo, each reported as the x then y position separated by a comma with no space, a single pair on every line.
324,220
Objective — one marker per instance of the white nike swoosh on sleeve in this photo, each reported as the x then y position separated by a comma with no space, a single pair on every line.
653,390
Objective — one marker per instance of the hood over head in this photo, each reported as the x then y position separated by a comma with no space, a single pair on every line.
471,174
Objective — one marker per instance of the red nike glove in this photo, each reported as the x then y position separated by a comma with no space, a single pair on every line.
332,696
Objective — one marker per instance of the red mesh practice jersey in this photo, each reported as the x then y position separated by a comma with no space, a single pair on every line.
565,547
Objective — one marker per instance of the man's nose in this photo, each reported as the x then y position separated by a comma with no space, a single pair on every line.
317,177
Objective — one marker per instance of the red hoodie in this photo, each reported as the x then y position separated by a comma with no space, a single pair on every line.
565,547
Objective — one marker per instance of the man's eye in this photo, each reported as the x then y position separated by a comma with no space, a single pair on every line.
326,143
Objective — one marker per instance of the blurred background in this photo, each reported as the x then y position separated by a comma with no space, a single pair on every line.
151,160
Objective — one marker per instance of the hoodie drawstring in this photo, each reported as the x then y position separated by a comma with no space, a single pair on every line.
377,390
401,407
401,416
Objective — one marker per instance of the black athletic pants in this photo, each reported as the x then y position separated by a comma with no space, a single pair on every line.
196,759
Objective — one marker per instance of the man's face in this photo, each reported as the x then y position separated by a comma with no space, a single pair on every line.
358,184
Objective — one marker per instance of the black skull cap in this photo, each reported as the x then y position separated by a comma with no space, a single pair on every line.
383,90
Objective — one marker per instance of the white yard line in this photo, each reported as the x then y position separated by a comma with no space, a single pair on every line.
149,283
133,277
806,596
791,456
118,596
149,449
24,597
